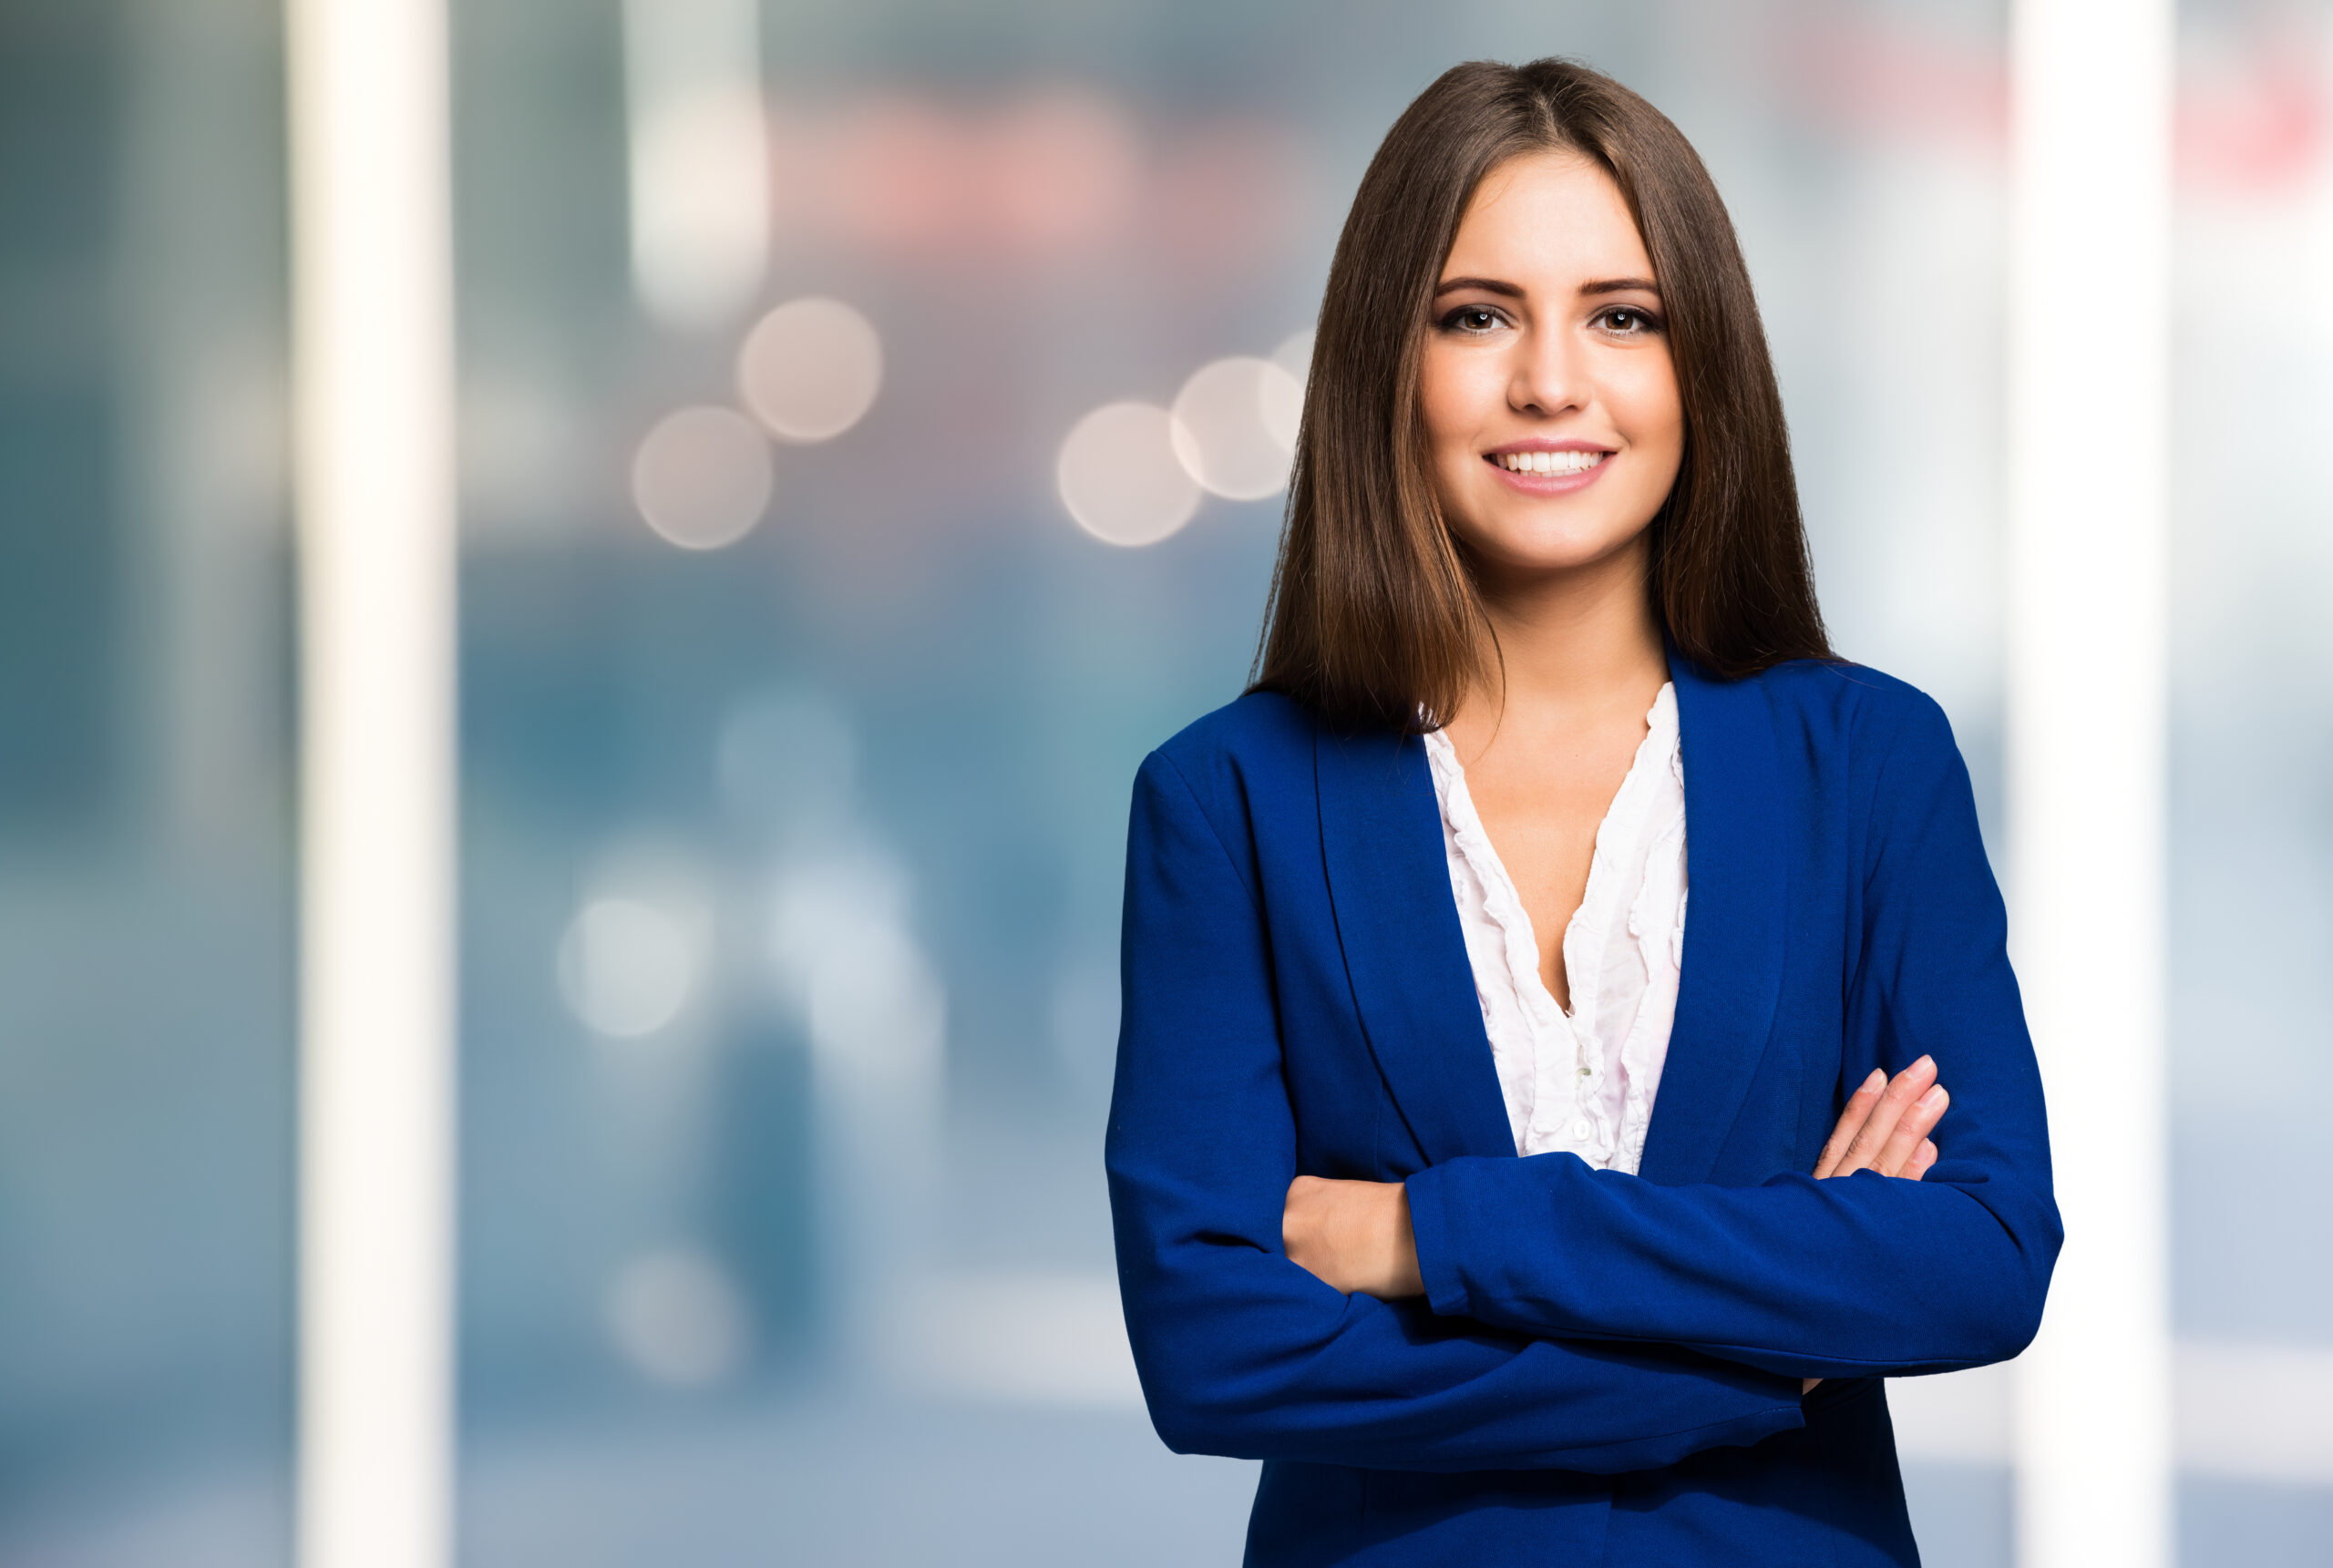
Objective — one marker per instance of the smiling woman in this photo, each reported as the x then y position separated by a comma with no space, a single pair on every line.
1592,196
1547,371
1508,1216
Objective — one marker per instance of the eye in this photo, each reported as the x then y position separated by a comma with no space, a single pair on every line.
1628,321
1472,321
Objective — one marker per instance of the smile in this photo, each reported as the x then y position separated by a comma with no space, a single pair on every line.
1548,462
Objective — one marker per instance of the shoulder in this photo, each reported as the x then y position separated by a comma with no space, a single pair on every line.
1263,733
1853,713
1874,753
1239,768
1258,726
1244,763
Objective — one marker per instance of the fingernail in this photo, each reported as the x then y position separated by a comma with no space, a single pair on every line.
1933,1098
1879,1077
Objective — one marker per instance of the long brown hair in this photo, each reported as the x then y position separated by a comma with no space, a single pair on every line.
1375,617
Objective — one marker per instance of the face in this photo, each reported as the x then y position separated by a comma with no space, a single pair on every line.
1552,418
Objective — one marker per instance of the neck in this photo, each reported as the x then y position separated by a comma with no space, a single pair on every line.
1580,639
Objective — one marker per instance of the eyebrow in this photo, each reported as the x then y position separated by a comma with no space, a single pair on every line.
1488,285
1509,291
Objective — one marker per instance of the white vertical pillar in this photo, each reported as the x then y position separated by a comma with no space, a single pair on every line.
2088,430
371,314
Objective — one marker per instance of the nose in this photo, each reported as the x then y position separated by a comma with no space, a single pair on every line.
1548,376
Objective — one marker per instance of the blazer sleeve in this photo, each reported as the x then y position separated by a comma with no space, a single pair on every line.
1856,1275
1242,1352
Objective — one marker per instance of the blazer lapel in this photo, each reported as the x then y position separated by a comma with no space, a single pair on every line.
1737,877
1406,956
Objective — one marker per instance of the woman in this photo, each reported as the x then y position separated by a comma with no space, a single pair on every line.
1506,1213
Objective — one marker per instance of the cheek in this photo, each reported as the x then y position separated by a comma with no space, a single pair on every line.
1646,406
1457,392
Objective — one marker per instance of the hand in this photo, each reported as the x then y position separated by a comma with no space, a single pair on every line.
1885,1128
1886,1125
1354,1236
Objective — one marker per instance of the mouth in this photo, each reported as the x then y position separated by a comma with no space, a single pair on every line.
1547,469
1552,464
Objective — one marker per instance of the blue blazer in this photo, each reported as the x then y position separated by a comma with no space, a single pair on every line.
1606,1368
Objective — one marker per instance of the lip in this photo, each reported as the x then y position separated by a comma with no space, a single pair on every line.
1541,444
1550,483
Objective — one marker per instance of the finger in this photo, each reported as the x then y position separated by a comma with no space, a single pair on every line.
1905,1087
1851,1120
1886,1110
1912,1130
1922,1158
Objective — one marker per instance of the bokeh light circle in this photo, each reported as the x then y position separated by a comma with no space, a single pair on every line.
1283,400
811,369
1224,427
1120,478
701,477
678,1318
1294,354
627,968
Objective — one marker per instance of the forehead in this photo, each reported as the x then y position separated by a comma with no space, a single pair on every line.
1547,220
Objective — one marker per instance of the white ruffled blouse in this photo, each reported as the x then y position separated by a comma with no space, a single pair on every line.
1583,1080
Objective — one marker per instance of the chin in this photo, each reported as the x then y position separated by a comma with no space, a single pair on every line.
1536,551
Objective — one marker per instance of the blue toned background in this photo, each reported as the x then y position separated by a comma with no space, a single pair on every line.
791,865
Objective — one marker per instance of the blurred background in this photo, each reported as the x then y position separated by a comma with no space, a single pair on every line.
827,571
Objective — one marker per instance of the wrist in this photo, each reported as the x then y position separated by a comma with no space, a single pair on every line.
1403,1278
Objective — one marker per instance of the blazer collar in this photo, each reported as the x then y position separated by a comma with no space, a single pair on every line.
1405,955
1737,877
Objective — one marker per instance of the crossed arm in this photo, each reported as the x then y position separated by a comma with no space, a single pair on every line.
1504,1313
1356,1237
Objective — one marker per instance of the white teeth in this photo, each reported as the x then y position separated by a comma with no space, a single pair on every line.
1550,462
